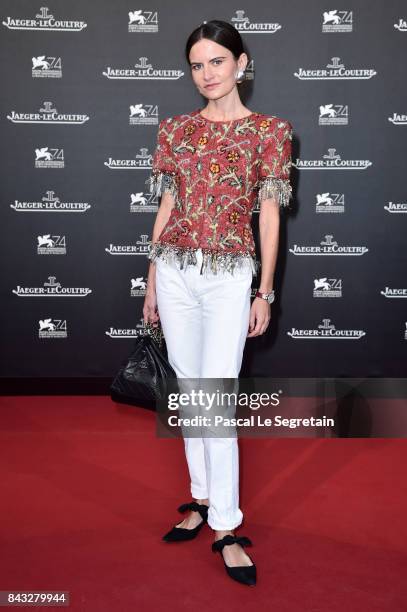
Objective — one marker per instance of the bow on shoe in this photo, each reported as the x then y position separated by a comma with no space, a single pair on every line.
191,506
229,539
201,508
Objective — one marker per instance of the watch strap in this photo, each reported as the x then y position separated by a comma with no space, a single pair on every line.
269,297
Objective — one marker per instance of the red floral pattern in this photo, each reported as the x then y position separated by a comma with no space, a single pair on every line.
216,171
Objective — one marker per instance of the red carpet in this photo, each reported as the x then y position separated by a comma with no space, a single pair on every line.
88,490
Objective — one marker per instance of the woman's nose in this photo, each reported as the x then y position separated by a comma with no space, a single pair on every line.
207,74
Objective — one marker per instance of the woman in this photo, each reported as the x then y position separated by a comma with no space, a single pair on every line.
209,166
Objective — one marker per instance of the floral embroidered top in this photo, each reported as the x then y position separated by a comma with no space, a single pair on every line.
217,171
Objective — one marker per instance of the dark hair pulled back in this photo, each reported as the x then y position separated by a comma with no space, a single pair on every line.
220,32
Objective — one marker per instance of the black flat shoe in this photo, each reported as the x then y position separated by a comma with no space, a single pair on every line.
180,534
246,574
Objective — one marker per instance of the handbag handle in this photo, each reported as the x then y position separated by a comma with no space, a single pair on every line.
155,332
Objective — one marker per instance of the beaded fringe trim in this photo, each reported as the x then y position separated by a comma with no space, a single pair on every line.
211,260
272,187
160,181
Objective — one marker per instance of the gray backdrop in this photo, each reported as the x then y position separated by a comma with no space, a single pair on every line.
76,150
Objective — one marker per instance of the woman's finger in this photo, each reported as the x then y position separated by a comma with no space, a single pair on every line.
256,330
252,320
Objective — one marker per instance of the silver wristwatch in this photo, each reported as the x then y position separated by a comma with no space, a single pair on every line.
266,296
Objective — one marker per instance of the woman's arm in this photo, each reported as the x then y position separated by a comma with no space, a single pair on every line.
269,228
163,214
274,193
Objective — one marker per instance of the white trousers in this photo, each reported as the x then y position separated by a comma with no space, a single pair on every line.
205,321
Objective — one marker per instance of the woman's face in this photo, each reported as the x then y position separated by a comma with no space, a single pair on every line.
214,68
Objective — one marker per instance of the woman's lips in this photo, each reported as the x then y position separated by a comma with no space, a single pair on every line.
211,85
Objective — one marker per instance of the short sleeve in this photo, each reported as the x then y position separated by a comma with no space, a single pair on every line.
275,163
164,175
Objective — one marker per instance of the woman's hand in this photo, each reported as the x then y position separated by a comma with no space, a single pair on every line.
259,317
150,310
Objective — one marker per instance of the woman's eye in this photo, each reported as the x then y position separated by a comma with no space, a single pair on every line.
217,62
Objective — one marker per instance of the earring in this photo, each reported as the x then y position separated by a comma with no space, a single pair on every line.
239,76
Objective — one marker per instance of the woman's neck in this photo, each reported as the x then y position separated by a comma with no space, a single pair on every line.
221,111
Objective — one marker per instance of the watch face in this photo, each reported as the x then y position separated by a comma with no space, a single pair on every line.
269,298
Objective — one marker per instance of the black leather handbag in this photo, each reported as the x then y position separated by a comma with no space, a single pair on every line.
146,374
